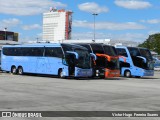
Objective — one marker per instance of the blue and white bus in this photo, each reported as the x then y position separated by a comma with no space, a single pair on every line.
139,61
47,58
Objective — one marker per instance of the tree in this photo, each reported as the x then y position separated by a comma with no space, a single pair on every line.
152,43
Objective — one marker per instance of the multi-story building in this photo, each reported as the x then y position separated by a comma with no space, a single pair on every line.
57,25
8,35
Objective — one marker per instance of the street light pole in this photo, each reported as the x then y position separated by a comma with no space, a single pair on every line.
94,14
5,29
37,39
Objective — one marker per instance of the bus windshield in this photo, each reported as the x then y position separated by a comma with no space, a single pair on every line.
113,64
83,59
139,62
110,50
97,48
146,53
134,51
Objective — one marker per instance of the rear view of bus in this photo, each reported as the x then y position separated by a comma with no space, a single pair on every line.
139,61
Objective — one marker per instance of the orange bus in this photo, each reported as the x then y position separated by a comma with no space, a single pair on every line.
107,62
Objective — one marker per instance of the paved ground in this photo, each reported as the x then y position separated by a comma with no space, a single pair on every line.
52,94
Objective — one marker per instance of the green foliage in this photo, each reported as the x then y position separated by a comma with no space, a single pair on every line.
152,43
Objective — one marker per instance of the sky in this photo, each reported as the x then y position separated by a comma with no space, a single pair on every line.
130,20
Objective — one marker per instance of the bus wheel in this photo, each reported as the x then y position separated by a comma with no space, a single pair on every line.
13,70
138,76
20,70
60,74
127,74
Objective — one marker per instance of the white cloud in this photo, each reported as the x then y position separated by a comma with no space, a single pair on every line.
151,21
153,32
31,27
27,7
133,4
82,35
109,25
8,23
28,38
134,37
92,7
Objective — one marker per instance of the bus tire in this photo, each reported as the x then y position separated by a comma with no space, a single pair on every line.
20,71
127,73
60,74
138,76
13,70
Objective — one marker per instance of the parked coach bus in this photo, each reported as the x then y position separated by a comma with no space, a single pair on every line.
139,61
107,63
47,58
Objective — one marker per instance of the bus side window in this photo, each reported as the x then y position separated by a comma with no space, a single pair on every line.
121,52
7,51
53,52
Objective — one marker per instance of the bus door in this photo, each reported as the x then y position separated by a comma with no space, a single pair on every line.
71,59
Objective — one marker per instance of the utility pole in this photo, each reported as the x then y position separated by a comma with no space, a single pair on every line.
37,39
5,29
94,14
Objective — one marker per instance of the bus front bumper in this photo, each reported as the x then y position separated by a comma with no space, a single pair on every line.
83,72
111,73
148,73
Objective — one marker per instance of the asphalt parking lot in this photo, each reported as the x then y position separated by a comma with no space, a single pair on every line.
39,93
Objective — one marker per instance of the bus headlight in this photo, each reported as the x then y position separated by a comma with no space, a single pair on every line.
97,72
64,73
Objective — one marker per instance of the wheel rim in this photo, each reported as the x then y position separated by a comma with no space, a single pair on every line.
60,74
13,70
20,71
128,74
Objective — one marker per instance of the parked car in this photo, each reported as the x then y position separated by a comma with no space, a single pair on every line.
157,68
156,63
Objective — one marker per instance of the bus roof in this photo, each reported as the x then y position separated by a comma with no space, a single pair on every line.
34,44
93,44
130,47
45,44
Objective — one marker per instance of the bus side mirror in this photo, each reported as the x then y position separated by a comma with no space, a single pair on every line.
142,58
74,53
94,56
